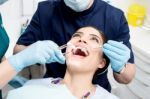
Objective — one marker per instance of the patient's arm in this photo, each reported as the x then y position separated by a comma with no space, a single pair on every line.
127,75
7,72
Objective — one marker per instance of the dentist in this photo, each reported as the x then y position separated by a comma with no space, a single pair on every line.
57,20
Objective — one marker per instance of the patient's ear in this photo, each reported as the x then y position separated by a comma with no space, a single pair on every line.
102,63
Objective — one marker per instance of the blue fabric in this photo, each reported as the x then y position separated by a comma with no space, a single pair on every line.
2,1
53,20
4,40
4,43
1,94
18,81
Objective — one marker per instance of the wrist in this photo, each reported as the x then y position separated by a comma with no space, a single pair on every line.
15,63
121,71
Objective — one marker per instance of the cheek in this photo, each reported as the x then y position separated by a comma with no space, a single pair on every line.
94,45
75,65
96,58
69,47
74,40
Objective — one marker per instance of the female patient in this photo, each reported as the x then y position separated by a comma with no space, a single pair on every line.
84,59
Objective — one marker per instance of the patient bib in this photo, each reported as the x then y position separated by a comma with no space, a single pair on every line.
47,89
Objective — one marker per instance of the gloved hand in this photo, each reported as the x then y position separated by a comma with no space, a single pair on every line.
40,52
118,53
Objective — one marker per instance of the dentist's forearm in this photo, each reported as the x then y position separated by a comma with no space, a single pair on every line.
126,75
18,48
7,72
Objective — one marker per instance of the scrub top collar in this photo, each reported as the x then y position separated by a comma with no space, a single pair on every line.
72,12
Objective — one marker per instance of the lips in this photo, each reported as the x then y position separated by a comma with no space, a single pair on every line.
80,51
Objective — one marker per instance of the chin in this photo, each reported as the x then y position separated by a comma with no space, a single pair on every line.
75,64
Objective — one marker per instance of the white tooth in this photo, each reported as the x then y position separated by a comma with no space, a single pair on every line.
73,47
74,50
84,50
78,47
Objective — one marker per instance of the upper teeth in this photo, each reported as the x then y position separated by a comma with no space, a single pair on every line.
84,49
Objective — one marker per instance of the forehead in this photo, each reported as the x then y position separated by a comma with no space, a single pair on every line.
89,30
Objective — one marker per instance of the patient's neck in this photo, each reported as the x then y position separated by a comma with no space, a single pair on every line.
79,84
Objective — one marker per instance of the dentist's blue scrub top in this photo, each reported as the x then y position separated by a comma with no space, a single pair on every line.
53,20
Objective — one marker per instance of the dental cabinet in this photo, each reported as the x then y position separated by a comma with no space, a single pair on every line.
140,39
139,88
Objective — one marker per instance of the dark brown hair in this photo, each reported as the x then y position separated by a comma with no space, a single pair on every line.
104,69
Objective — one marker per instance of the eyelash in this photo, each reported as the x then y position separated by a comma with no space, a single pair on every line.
76,35
94,38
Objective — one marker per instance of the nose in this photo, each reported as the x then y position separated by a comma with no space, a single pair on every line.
83,41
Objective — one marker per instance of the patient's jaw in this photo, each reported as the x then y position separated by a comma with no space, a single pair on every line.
84,51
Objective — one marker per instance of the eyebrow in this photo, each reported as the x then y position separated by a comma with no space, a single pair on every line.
79,32
90,34
96,36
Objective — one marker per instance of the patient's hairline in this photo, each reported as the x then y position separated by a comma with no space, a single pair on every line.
100,31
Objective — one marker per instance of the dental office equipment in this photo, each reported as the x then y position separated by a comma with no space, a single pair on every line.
65,45
98,47
73,46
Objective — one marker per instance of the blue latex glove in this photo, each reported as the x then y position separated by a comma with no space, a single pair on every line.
40,52
118,53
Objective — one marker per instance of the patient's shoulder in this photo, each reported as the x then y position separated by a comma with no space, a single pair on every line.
33,92
103,94
42,81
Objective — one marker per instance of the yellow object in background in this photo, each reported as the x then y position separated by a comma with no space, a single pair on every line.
136,14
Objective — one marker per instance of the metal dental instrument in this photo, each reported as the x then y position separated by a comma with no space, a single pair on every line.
70,44
63,46
98,47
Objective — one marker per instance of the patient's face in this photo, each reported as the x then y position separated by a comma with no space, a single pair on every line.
86,54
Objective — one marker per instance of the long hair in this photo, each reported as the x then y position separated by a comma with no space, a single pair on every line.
104,69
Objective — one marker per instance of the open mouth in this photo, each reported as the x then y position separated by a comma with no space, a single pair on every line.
80,51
